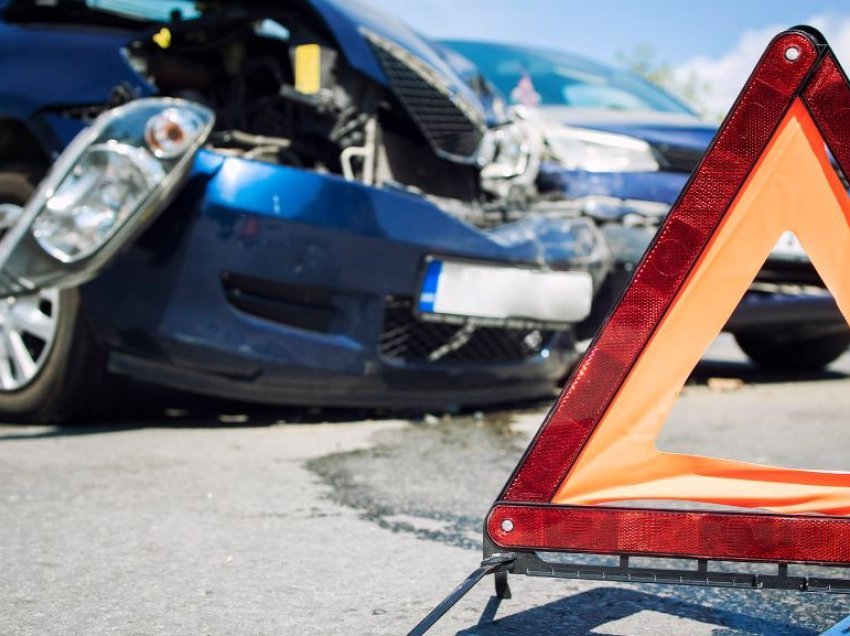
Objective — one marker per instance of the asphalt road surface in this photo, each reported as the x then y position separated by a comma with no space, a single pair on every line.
218,519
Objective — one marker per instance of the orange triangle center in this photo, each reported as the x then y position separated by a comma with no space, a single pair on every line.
793,188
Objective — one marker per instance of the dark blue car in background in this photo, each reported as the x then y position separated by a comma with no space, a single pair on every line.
620,150
280,202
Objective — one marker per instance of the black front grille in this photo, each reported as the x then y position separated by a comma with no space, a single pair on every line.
406,338
446,127
677,158
307,307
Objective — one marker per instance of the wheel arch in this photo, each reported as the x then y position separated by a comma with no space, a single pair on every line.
19,144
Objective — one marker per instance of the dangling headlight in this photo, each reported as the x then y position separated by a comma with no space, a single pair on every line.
107,184
104,189
595,151
129,157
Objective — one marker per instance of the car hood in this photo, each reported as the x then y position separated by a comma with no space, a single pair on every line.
349,20
656,128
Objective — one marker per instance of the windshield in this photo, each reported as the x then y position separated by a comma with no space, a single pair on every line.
540,77
159,11
113,12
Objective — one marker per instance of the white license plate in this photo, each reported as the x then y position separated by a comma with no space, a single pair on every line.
498,292
788,247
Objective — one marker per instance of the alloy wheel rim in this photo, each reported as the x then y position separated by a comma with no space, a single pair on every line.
27,331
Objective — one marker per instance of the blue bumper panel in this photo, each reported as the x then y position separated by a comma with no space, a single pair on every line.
336,249
429,286
663,187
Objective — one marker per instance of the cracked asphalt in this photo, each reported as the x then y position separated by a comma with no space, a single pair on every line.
213,518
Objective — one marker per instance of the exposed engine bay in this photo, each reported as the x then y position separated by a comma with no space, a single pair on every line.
279,96
284,94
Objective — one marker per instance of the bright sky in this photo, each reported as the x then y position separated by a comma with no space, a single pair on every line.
718,40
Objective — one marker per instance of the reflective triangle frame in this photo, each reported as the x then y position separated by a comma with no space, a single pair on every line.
797,79
797,76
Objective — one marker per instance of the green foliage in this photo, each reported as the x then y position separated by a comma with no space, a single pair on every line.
643,60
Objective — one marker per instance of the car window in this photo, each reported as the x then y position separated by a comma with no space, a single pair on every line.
160,11
540,77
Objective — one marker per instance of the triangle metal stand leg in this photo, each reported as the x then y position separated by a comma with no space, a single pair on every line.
498,564
503,590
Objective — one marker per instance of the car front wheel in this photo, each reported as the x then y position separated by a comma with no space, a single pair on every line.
793,349
50,365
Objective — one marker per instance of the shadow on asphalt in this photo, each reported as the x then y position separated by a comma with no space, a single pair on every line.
148,406
585,613
751,374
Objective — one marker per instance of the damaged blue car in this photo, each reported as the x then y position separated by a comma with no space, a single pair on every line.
620,150
288,202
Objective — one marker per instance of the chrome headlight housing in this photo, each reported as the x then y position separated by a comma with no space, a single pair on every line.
512,155
507,152
104,189
105,186
596,151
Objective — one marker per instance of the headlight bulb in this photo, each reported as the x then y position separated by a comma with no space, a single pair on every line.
170,133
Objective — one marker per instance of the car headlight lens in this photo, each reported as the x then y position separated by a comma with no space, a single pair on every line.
509,152
106,185
127,163
594,151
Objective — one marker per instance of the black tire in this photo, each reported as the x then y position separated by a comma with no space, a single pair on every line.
789,349
64,386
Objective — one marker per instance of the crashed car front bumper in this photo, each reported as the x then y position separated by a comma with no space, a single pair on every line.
629,206
613,196
278,285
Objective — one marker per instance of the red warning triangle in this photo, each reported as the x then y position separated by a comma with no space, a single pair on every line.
767,172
